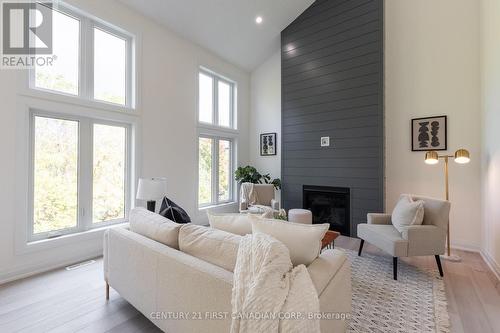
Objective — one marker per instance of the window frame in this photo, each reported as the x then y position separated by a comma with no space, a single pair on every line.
215,170
86,60
84,182
215,99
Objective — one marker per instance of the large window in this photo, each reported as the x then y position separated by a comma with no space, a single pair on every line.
80,174
216,100
92,61
217,137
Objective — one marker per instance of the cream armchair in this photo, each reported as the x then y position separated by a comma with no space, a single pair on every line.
264,196
418,240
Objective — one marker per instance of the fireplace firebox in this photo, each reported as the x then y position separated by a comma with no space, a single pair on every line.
329,205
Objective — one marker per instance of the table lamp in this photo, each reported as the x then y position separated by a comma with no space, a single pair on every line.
150,190
462,156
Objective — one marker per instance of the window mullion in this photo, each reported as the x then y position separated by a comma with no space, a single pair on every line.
215,170
85,175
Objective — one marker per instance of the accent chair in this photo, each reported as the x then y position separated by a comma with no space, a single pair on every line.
416,240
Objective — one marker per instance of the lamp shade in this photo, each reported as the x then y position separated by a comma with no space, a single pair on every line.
431,157
151,188
462,156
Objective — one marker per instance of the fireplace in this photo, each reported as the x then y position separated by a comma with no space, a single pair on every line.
329,205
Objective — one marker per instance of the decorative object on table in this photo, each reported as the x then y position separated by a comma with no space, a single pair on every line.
298,215
249,174
281,215
150,190
174,212
429,133
461,156
268,144
377,301
428,238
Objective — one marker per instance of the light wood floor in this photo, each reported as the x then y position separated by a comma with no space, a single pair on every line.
73,301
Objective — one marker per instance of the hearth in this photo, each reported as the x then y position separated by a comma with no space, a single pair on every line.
329,205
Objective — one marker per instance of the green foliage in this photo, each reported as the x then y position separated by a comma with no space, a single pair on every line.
249,174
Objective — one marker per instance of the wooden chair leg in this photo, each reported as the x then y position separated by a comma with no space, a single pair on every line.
107,291
438,261
361,247
395,267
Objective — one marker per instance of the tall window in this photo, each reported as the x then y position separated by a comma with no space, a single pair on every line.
93,60
216,141
216,100
80,174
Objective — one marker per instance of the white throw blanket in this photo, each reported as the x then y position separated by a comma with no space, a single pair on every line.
269,295
248,194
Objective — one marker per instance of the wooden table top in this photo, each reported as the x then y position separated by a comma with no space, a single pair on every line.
330,236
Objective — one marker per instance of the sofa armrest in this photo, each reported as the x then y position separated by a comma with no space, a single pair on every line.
424,240
378,218
331,275
275,204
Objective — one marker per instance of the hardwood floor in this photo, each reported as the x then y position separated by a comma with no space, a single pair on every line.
74,301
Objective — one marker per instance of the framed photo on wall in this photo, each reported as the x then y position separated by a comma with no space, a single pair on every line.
268,144
429,133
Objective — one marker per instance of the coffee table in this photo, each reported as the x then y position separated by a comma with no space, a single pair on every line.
329,239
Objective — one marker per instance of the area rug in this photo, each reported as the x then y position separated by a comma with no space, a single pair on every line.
416,302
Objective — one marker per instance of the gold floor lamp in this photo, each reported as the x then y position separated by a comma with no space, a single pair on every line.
461,156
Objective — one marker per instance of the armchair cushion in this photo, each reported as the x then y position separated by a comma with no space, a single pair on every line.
385,237
424,240
407,212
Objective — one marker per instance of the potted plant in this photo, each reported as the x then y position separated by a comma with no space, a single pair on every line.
249,174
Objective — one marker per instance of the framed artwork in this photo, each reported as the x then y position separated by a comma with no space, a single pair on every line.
429,133
268,144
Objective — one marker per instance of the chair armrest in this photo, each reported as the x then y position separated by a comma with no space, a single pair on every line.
243,205
275,204
424,240
378,218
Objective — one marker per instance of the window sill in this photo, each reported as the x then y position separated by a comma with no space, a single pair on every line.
222,205
50,243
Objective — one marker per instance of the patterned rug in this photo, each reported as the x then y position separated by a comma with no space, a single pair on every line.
416,302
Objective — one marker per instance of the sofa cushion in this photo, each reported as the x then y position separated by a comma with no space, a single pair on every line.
407,212
154,226
214,246
302,240
238,224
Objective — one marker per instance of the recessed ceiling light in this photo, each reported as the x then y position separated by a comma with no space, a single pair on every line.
258,19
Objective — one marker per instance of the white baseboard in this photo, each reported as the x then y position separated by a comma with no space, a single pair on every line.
25,272
492,264
465,247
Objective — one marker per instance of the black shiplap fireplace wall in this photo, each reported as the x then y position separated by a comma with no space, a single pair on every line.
332,85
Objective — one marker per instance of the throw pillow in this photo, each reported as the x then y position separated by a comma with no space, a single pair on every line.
407,212
238,224
174,212
155,226
302,240
214,246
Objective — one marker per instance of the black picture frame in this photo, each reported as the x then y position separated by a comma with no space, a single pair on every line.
268,144
429,133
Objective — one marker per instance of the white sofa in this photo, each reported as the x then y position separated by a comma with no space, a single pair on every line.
163,282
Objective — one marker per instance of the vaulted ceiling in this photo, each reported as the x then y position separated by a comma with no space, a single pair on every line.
227,27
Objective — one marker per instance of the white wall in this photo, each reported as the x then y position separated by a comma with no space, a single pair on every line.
167,68
265,115
490,86
432,68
